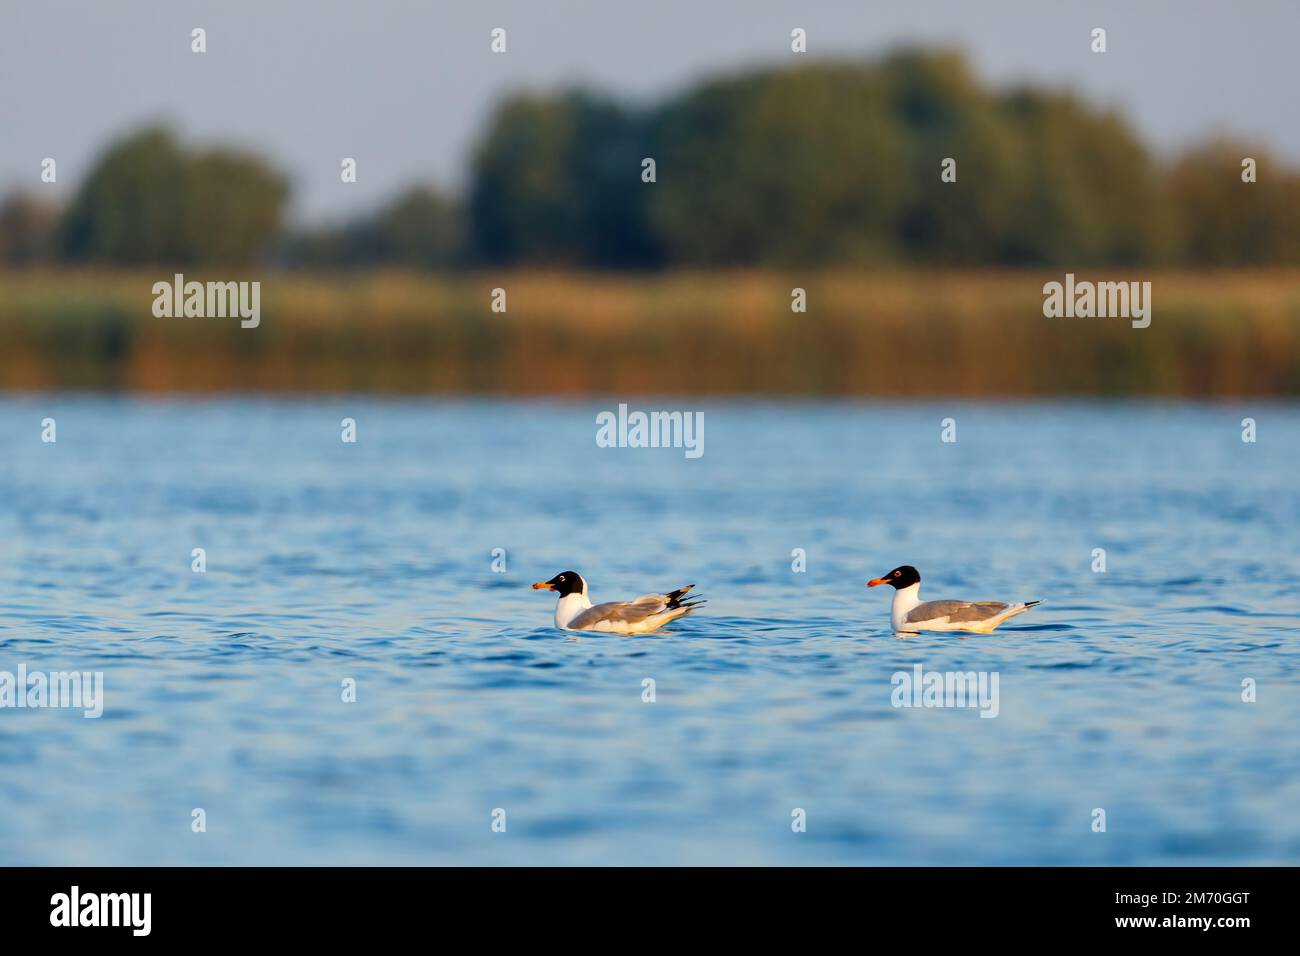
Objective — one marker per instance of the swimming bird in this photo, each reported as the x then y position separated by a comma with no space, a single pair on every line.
575,612
910,614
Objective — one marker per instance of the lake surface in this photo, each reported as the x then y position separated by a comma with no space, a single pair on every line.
373,561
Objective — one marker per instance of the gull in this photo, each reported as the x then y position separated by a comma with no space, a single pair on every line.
575,612
910,614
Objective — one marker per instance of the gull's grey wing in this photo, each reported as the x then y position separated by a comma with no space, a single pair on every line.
957,612
634,612
620,612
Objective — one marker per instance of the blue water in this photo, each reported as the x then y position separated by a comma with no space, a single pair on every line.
373,561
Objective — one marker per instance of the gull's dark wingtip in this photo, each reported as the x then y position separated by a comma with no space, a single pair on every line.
674,598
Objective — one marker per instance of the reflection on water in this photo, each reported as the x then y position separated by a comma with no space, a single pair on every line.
373,561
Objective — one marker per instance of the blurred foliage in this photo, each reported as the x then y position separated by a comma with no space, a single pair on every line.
148,200
27,229
555,181
1083,190
420,229
1227,222
234,204
839,163
830,163
779,167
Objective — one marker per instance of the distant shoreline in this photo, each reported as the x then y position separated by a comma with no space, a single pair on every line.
907,333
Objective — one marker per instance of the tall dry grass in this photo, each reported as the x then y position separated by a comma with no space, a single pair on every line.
909,333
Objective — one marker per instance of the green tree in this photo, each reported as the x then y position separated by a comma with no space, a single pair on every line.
1086,190
234,204
131,208
943,113
421,229
27,228
838,162
556,180
1225,221
793,166
148,201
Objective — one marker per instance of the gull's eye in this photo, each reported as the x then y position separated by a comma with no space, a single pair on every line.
898,574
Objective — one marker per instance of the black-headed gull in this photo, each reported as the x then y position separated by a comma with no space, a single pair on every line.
910,614
575,612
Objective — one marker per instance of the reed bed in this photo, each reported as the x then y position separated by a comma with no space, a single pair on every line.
887,334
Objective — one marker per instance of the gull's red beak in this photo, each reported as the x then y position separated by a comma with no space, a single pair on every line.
871,584
543,584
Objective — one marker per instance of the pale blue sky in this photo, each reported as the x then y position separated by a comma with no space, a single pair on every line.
405,86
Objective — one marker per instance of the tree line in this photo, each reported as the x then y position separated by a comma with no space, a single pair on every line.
832,163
